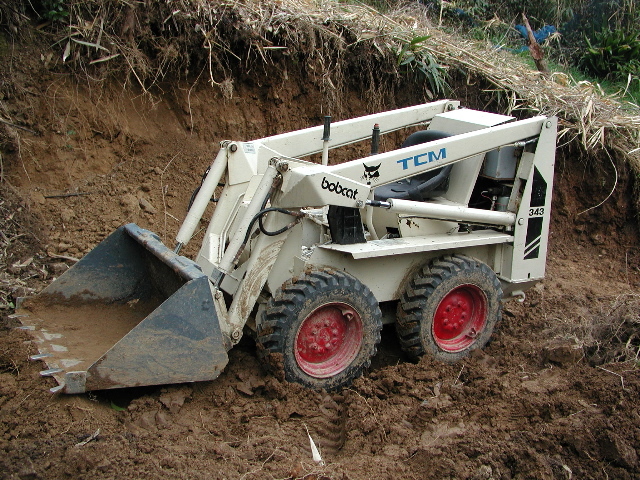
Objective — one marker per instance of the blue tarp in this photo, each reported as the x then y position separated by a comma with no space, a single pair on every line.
540,35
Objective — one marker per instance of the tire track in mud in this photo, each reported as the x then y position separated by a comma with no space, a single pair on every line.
331,423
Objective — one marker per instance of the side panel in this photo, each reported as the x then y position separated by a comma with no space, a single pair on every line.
265,252
527,258
385,276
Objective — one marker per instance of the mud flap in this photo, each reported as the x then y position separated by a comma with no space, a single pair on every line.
130,313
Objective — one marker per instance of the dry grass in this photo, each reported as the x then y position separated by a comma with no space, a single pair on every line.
617,339
216,38
608,329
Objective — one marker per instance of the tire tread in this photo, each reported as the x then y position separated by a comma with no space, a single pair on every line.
414,298
282,308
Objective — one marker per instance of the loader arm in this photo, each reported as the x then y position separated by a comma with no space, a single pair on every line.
241,162
343,185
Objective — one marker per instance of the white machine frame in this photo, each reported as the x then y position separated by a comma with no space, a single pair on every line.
513,241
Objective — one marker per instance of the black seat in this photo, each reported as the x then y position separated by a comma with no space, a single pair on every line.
419,187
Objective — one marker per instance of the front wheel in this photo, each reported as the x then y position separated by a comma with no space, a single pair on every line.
322,329
449,308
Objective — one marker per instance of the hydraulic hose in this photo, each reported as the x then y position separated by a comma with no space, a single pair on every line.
258,218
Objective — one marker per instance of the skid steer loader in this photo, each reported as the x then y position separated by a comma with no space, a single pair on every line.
437,232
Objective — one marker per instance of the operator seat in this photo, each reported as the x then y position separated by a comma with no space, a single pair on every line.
419,187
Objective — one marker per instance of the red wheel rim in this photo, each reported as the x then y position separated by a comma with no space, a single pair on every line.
459,318
328,340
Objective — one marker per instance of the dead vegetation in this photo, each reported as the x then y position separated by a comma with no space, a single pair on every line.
607,332
618,339
224,41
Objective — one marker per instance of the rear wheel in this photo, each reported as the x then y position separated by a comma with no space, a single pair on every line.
322,329
449,308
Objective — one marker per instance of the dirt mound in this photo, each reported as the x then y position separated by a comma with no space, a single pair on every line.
521,409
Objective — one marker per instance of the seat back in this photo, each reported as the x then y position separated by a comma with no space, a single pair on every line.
422,186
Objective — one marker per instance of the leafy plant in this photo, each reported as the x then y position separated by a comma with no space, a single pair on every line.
117,408
54,10
612,53
415,58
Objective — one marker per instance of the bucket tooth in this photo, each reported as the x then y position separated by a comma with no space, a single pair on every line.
51,372
40,356
57,388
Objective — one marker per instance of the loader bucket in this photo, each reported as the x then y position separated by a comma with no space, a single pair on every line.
130,313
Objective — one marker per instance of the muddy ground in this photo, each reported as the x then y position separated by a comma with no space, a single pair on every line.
554,395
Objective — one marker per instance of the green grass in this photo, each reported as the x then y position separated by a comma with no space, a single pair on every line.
625,89
502,34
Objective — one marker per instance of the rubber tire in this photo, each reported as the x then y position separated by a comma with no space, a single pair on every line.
424,293
297,299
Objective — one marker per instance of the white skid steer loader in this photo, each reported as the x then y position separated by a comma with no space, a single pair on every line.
304,254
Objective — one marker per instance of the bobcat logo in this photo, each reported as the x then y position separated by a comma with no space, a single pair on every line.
371,174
